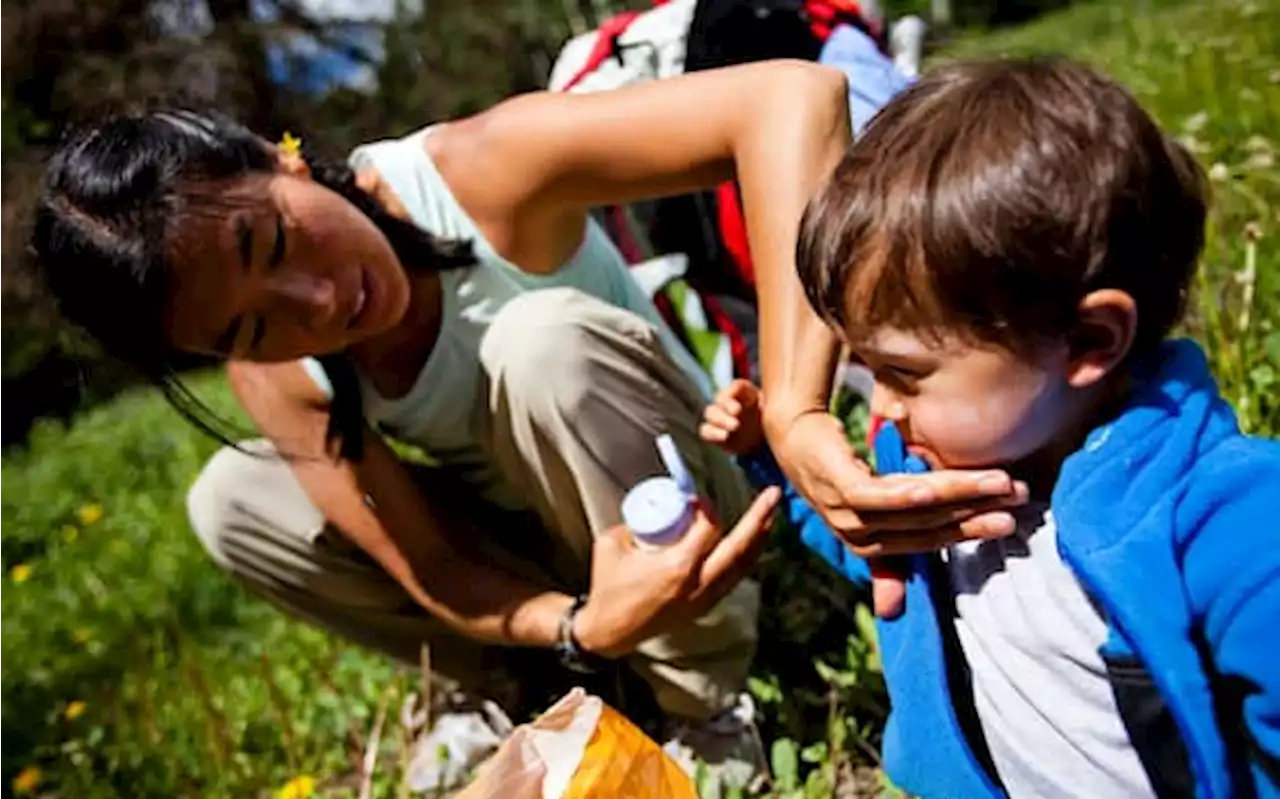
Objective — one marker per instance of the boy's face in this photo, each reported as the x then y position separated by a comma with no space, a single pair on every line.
961,405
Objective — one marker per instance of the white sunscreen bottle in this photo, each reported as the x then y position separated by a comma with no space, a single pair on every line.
660,510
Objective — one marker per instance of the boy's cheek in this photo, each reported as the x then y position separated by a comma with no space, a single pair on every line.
972,434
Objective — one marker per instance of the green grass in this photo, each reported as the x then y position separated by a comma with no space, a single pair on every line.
193,688
189,687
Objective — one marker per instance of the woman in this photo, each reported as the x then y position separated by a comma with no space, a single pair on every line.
452,293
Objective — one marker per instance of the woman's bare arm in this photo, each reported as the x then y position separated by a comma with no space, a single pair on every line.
401,531
780,127
634,594
528,169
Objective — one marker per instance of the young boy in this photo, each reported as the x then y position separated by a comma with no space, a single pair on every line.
1006,247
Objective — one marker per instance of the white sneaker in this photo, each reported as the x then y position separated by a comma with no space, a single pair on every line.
723,752
459,740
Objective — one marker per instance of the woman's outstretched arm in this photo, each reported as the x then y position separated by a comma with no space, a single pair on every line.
529,168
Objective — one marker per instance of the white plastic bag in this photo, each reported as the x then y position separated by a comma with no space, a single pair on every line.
580,748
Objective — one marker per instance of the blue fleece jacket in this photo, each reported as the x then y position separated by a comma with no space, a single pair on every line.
1170,519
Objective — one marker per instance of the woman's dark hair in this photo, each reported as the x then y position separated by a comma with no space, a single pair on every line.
112,197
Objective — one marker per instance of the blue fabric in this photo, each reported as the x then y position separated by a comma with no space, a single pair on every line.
1170,518
873,79
762,470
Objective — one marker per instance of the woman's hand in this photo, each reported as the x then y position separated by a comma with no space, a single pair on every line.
637,593
894,514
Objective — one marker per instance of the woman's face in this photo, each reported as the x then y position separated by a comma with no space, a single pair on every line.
292,270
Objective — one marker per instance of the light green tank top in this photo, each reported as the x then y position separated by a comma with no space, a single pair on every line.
438,413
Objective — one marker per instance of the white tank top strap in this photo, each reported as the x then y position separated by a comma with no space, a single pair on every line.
407,168
437,413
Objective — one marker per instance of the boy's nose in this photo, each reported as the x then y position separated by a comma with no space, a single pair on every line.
886,404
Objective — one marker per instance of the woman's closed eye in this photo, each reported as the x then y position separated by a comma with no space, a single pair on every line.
245,235
277,250
273,262
259,330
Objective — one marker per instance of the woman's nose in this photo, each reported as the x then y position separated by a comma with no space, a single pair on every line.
314,299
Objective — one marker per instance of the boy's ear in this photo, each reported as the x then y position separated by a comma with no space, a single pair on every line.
1108,322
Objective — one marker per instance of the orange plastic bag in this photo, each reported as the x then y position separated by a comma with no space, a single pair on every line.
580,748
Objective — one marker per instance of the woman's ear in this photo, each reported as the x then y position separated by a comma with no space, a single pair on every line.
291,162
1108,322
371,183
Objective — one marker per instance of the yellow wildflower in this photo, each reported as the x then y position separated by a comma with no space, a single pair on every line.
70,533
297,788
75,709
290,144
81,635
20,573
90,514
27,780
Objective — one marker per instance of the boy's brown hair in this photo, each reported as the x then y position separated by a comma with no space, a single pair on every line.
990,197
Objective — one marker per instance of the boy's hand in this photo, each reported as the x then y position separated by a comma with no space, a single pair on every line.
732,420
888,589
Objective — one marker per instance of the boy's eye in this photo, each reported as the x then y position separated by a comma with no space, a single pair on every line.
900,379
902,374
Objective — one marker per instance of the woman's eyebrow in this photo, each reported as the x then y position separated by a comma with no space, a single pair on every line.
277,252
244,235
227,340
259,330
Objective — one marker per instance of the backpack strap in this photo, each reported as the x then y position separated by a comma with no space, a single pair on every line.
606,45
733,231
739,352
625,234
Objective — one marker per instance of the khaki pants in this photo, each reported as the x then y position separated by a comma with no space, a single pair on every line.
576,392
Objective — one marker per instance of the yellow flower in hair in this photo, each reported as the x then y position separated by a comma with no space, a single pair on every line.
290,144
75,709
